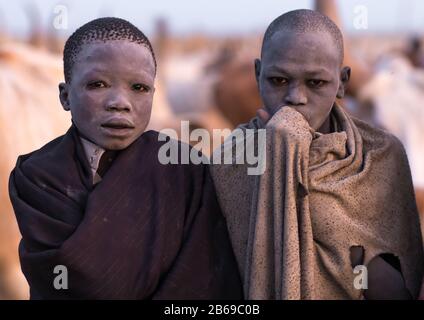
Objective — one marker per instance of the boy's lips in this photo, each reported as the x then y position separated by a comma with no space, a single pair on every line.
118,127
118,124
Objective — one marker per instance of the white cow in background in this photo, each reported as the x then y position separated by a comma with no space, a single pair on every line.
30,116
396,91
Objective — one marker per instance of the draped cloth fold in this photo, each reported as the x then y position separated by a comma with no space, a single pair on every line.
293,226
147,230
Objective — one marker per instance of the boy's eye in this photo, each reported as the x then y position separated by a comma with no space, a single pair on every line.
314,83
96,85
140,87
279,81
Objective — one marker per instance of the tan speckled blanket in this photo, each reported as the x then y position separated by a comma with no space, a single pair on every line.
292,227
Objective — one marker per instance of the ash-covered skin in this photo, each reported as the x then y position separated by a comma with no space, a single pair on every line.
111,92
303,71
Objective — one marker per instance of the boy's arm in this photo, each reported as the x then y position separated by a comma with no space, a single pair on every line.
421,297
385,282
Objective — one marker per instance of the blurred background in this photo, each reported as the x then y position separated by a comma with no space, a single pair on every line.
205,52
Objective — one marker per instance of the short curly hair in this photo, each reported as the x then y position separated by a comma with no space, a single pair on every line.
102,29
303,21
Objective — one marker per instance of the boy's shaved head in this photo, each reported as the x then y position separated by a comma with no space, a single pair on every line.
102,29
305,21
301,66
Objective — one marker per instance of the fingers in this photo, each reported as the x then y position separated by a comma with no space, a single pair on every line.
263,116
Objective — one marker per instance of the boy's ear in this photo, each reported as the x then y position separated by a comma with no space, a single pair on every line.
64,95
257,70
344,79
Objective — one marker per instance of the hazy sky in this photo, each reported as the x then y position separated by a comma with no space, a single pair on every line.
212,16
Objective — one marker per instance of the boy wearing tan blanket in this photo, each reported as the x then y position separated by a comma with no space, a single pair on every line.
336,193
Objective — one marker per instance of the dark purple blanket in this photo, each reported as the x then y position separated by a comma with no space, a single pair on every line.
146,231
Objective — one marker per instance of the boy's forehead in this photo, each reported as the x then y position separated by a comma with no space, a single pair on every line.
94,49
108,52
302,47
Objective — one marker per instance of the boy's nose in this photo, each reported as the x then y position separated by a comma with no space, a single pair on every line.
295,96
118,102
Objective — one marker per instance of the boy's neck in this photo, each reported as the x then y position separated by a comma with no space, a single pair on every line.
92,151
325,127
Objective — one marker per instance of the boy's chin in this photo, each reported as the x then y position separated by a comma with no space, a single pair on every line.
117,139
116,145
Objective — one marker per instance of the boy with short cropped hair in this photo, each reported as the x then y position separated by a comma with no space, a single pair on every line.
100,217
